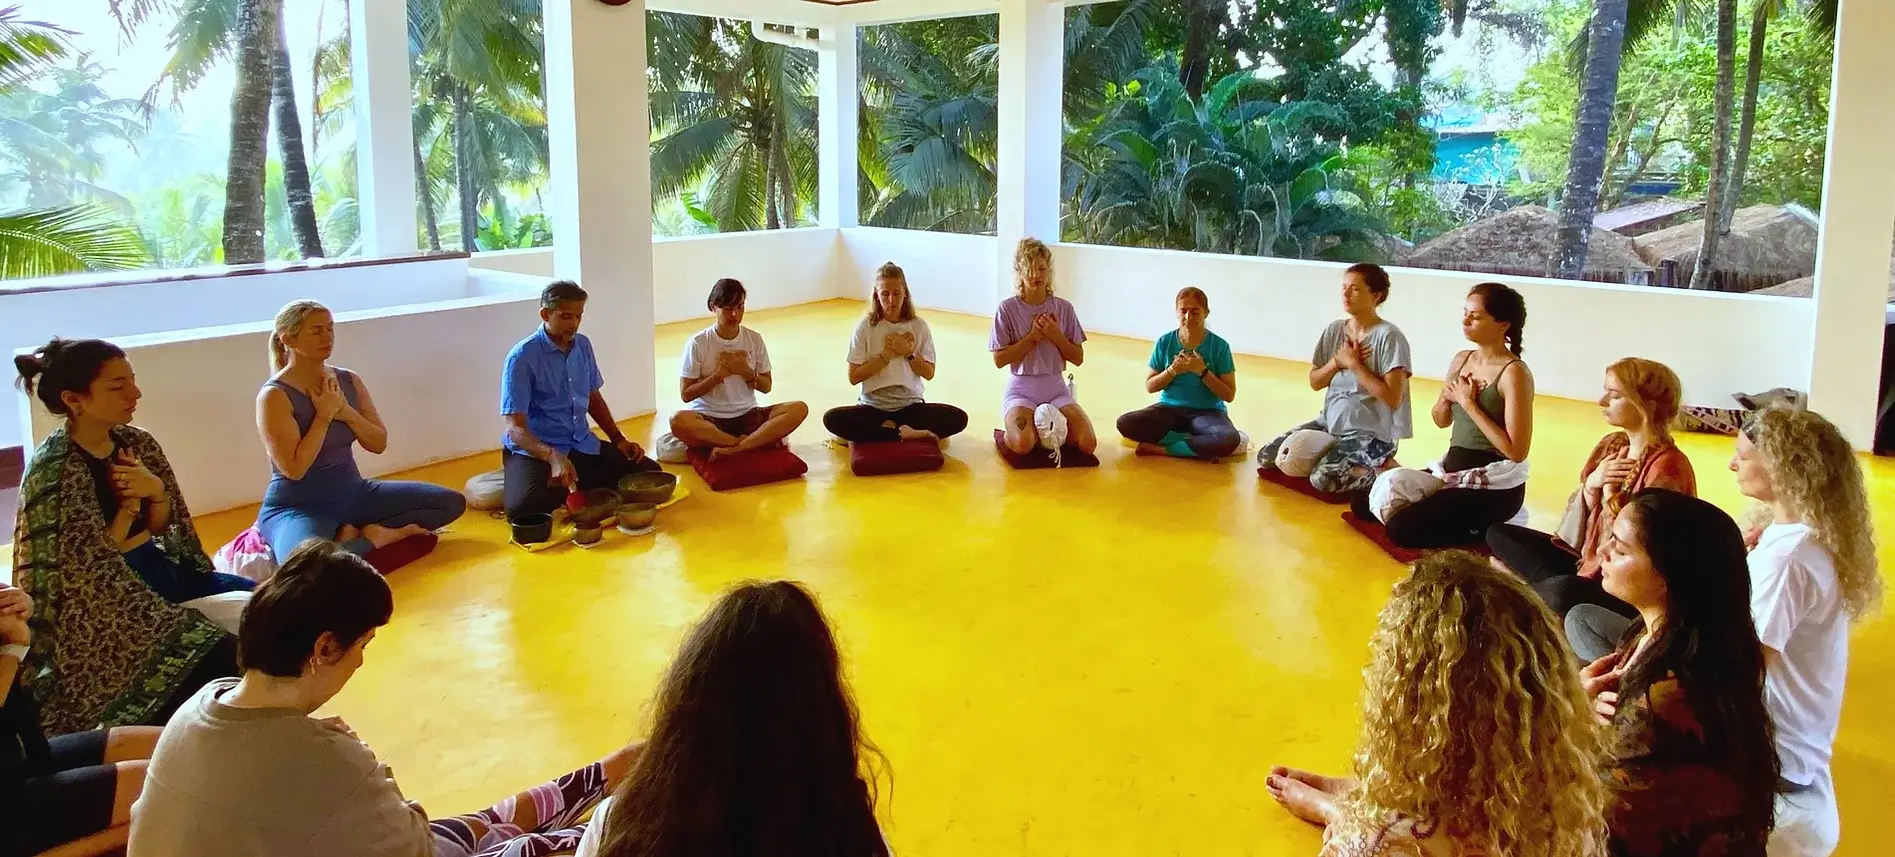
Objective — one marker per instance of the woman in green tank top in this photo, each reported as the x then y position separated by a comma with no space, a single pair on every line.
1487,406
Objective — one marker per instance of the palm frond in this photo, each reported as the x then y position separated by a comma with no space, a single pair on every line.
50,242
27,48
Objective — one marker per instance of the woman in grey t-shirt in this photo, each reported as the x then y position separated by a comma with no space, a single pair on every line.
1362,366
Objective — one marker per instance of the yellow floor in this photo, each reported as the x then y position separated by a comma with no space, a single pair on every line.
1091,662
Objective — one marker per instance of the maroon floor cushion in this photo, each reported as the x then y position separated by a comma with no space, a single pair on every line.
757,467
1375,532
1040,457
1300,486
390,557
886,458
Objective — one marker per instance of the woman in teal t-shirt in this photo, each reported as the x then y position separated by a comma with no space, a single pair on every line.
1193,374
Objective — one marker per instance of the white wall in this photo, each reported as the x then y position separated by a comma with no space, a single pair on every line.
200,390
945,271
1718,344
779,268
29,319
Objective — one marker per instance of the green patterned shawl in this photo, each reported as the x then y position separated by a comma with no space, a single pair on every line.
107,651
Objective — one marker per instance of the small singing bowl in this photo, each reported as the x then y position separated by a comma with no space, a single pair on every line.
586,535
637,516
532,529
597,505
655,487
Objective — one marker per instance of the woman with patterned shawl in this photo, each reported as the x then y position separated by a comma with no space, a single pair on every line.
107,648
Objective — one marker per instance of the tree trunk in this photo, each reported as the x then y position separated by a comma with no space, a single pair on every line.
772,212
786,182
424,191
249,133
289,146
1592,129
468,190
1701,273
1747,123
1200,32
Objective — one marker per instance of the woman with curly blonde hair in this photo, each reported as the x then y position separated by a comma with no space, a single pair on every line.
1812,572
1477,737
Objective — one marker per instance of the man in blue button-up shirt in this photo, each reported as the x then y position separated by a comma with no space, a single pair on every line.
550,386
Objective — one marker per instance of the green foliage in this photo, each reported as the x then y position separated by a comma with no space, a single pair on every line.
1787,157
1663,117
930,127
1232,172
50,142
735,117
47,242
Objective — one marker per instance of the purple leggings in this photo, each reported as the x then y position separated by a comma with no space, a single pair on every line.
492,832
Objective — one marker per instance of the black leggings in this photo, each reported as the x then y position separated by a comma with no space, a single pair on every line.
864,423
529,484
1452,517
1208,433
1551,569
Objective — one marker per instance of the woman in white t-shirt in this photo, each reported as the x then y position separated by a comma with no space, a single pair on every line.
1812,572
890,355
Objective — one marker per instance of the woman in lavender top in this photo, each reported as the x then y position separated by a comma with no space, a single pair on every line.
1035,336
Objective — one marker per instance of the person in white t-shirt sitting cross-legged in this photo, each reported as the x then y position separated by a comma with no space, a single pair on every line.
725,367
890,356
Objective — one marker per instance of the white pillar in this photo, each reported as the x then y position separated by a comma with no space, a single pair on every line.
1032,80
1852,258
599,129
838,130
384,126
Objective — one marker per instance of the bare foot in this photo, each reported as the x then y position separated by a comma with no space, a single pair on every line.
348,533
1303,800
382,537
1336,786
722,452
1152,449
910,433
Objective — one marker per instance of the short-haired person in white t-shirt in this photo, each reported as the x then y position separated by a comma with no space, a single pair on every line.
1812,572
890,356
725,367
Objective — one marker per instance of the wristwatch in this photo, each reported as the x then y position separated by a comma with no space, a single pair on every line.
16,652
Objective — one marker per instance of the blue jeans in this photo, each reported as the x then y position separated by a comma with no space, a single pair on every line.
176,585
373,501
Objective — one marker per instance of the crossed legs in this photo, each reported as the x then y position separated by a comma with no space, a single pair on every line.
759,428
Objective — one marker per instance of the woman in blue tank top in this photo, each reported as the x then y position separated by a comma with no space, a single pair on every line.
311,416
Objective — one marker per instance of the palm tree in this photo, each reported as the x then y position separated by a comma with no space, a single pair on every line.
206,32
249,132
931,126
737,111
480,103
1592,126
52,134
66,239
1822,15
1714,201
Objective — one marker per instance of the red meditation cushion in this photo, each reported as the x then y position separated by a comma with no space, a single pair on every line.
388,558
773,463
1299,485
896,456
1041,457
1375,532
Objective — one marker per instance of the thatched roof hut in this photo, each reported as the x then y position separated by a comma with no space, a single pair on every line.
1651,215
1524,242
1767,245
1803,287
